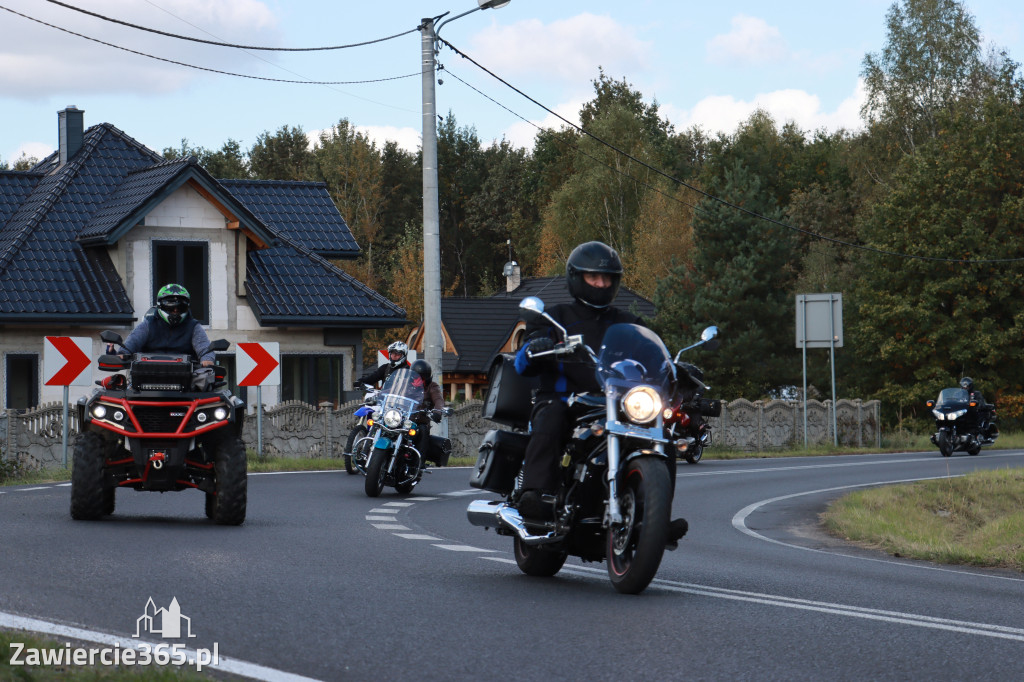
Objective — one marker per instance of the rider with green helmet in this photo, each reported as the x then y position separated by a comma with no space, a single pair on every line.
168,328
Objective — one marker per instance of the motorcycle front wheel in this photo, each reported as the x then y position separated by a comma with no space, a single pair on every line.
944,443
354,435
635,546
376,472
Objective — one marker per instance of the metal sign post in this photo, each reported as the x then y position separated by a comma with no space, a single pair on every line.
65,361
819,324
259,365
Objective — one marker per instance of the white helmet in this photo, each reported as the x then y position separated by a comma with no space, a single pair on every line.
401,350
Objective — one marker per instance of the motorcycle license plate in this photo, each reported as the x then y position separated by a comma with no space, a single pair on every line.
382,443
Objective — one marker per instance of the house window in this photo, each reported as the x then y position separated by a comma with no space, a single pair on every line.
187,264
313,379
22,381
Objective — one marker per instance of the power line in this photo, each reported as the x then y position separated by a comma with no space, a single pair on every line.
204,68
221,44
863,247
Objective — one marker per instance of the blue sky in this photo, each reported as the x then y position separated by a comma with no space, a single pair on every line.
705,63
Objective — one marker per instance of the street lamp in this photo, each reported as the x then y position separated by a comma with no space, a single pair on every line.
431,333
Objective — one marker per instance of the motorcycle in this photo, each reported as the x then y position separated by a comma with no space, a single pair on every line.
687,421
168,425
962,423
615,495
355,460
387,455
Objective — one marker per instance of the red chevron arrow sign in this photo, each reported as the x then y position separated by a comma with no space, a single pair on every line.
66,359
259,364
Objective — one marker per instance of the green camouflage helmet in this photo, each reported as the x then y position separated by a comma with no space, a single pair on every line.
172,303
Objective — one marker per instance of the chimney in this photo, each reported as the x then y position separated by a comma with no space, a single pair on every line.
512,276
71,129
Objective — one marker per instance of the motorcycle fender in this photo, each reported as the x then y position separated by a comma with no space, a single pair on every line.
364,411
382,443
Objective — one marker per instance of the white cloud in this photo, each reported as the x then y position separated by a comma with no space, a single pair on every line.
37,60
568,50
37,150
724,113
750,42
522,134
407,138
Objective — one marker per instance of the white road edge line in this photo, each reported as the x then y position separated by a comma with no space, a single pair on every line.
739,522
230,665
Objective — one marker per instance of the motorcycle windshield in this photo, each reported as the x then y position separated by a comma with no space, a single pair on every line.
631,355
953,397
403,390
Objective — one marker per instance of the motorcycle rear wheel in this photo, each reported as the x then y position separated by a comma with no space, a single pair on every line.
945,445
694,453
376,472
636,545
354,435
537,560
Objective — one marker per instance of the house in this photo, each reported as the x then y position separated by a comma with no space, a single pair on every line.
476,330
90,234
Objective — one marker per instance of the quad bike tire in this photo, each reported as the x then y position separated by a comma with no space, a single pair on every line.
354,435
230,482
90,498
635,546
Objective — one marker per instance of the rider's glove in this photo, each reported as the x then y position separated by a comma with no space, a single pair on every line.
542,344
435,416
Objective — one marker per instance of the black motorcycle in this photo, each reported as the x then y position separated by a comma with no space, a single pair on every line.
961,423
615,495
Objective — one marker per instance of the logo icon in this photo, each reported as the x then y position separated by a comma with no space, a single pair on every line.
164,622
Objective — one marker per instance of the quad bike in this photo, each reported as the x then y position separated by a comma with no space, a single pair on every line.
166,425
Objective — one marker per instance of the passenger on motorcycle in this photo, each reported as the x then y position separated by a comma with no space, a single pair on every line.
592,273
984,409
433,403
397,357
167,327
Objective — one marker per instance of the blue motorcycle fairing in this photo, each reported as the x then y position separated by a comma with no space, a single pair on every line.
382,443
364,411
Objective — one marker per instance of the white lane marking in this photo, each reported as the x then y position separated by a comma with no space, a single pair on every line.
228,665
42,487
460,493
834,465
416,536
390,526
966,627
739,522
381,518
423,499
399,504
63,485
379,510
463,548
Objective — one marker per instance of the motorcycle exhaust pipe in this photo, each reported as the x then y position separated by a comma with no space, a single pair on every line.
491,514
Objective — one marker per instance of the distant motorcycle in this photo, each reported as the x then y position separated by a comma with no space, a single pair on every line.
687,423
961,423
355,459
391,456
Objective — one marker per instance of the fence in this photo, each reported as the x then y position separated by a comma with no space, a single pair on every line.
297,429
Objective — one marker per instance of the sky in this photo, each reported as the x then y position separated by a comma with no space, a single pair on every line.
707,64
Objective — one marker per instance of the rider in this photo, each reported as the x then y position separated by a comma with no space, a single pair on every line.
984,410
168,327
397,357
433,400
592,272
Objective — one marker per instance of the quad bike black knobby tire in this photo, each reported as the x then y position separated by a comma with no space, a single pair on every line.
636,545
227,507
90,497
376,472
354,435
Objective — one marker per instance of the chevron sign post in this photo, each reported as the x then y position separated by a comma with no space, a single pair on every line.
66,363
259,365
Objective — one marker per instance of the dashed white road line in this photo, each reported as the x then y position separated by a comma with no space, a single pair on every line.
390,526
380,518
416,536
463,548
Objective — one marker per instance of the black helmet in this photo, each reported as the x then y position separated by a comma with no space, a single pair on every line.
967,383
172,303
422,367
593,257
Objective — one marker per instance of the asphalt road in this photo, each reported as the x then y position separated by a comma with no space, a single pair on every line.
325,583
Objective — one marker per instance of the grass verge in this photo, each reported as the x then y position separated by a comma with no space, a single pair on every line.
976,520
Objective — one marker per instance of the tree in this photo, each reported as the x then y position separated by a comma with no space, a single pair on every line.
229,162
461,174
285,155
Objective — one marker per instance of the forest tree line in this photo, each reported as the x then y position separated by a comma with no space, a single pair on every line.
917,218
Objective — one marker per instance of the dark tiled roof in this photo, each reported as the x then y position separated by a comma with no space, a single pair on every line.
55,221
289,285
302,211
478,327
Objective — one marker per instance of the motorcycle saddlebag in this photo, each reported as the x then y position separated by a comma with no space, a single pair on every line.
500,457
710,408
509,397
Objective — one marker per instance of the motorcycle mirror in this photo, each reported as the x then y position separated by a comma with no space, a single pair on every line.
709,333
531,306
220,344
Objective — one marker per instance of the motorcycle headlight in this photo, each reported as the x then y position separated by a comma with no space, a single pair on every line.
641,404
957,414
393,419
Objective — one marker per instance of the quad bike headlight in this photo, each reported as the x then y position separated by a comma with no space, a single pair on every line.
220,414
392,419
99,411
642,404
